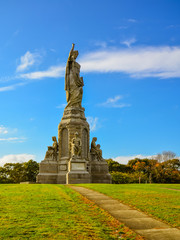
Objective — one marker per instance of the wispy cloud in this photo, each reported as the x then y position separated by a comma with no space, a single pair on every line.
16,158
102,44
63,105
122,27
3,130
173,26
7,135
114,102
52,72
31,119
93,123
132,20
13,139
138,62
129,42
161,62
12,87
27,60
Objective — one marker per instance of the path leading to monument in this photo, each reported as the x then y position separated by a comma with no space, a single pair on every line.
141,223
173,189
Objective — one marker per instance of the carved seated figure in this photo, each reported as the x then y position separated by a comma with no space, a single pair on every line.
95,149
99,152
52,151
76,146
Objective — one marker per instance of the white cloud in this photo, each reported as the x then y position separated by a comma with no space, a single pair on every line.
12,87
7,88
52,72
114,102
122,27
63,105
125,159
101,44
27,60
3,130
132,20
129,42
13,139
16,158
31,119
93,123
161,62
52,50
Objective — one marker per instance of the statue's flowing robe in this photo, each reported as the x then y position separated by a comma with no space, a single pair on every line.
73,83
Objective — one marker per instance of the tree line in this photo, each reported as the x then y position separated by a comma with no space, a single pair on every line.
145,171
19,172
165,168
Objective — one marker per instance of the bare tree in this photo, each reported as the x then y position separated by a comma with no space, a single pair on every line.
165,156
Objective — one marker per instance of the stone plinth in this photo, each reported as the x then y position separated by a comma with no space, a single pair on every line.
46,178
99,171
77,172
48,170
62,170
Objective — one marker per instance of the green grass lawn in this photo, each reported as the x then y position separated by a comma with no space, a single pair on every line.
157,200
54,212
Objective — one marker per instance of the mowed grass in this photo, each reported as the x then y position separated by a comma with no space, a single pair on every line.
161,201
54,212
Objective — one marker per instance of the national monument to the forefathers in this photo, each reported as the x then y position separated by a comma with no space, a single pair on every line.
71,159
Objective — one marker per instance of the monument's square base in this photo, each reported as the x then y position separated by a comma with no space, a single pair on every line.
77,172
78,177
100,172
47,178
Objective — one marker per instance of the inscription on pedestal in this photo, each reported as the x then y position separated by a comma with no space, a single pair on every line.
77,166
63,167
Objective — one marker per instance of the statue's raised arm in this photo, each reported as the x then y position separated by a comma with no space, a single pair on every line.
73,81
71,53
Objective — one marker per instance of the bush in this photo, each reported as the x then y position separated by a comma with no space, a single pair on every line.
120,177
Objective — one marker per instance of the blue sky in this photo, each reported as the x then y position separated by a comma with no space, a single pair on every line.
129,51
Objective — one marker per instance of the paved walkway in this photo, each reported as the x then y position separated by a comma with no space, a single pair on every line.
170,189
141,223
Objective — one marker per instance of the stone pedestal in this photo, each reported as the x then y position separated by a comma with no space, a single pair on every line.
47,172
77,172
99,170
62,170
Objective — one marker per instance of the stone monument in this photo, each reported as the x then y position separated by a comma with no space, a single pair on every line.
69,160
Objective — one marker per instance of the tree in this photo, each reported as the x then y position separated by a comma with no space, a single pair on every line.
117,167
19,172
150,167
139,166
165,156
31,169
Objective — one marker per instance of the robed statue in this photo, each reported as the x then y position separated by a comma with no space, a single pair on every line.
73,82
96,149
